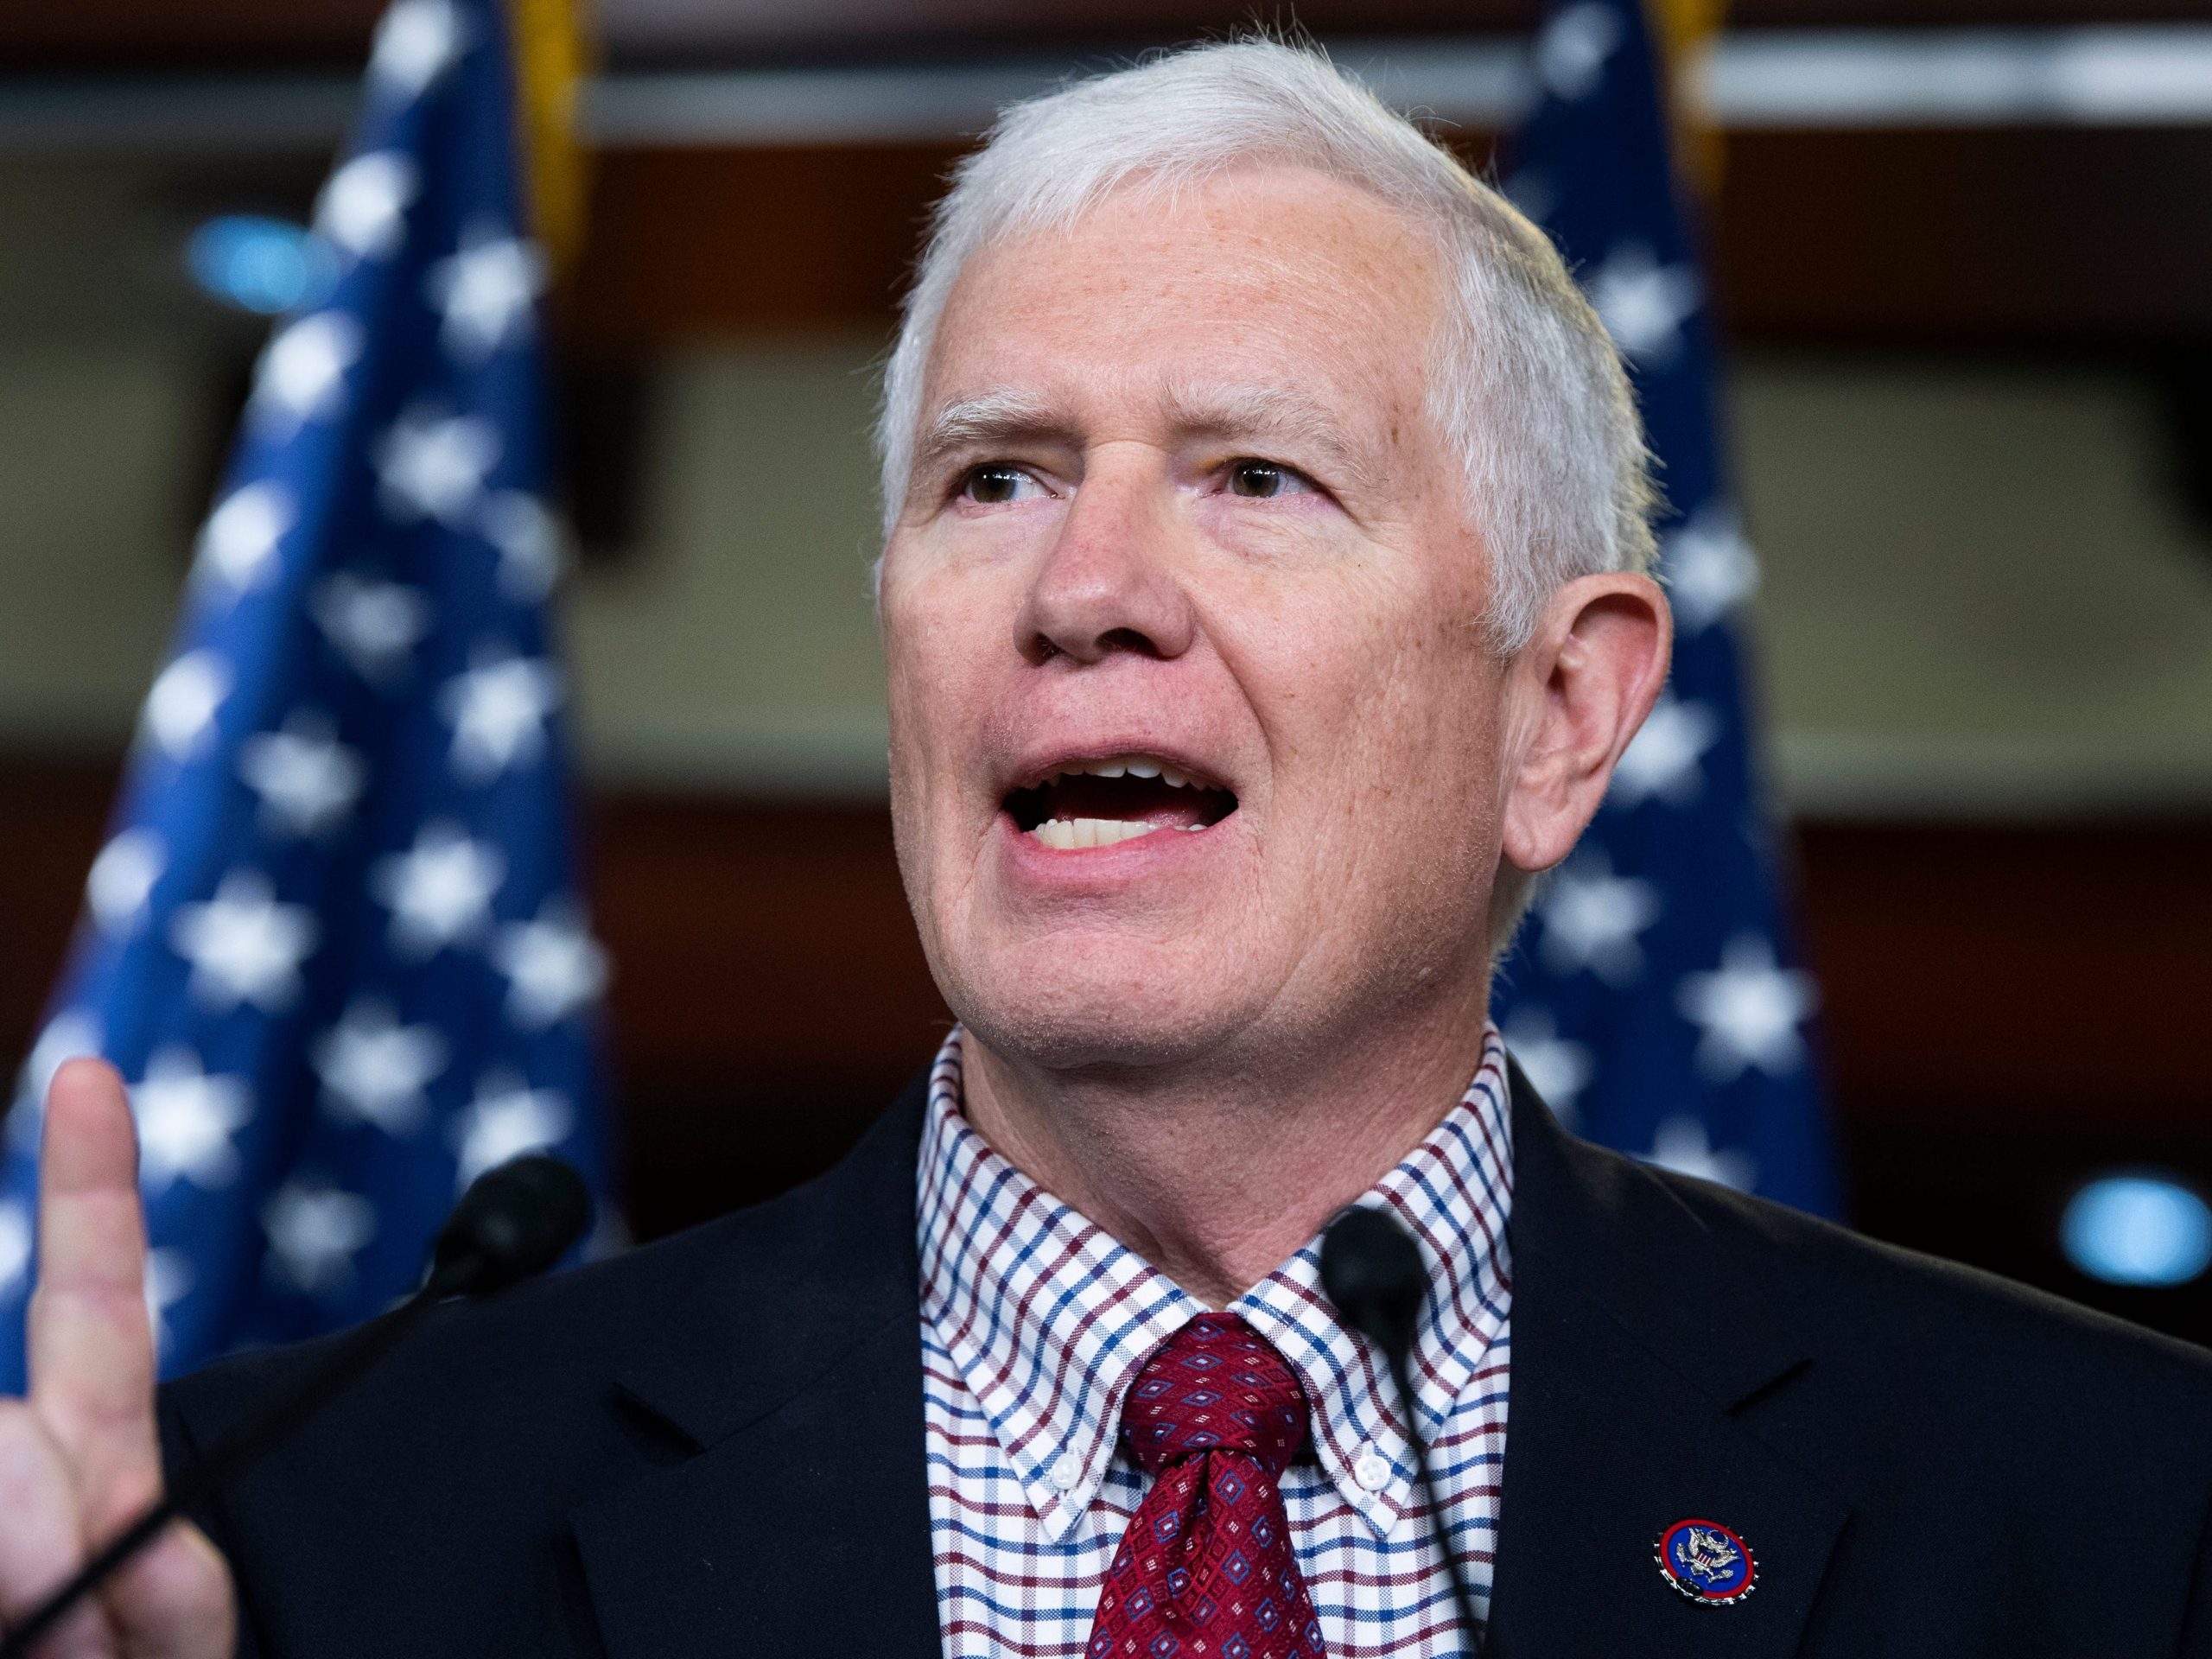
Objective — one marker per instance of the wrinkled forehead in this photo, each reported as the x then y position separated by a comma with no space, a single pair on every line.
1267,292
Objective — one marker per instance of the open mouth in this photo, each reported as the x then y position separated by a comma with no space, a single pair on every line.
1102,803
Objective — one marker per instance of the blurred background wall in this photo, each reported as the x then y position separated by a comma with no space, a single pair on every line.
1961,246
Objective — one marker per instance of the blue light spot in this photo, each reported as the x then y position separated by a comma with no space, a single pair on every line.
257,264
2138,1229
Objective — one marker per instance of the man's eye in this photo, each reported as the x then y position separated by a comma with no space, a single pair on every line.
991,484
1266,478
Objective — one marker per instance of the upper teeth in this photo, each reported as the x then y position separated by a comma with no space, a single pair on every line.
1128,765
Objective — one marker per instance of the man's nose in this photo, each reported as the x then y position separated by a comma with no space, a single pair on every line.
1109,580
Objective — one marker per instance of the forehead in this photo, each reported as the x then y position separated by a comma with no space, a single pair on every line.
1265,274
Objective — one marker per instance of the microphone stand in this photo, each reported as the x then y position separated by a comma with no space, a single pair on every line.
230,1458
512,1223
1372,1271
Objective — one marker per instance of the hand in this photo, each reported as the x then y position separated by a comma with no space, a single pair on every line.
81,1456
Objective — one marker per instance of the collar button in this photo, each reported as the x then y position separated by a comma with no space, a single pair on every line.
1372,1470
1066,1474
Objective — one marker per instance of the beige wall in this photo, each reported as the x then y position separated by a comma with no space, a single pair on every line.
95,444
738,645
1977,597
1981,595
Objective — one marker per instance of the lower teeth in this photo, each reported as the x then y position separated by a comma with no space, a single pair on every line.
1066,835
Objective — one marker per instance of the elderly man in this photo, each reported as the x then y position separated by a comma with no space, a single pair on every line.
1264,604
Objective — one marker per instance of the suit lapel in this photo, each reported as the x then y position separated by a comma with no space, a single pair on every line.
1639,1349
798,1524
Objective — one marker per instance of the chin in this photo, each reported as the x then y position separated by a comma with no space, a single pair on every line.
1066,1008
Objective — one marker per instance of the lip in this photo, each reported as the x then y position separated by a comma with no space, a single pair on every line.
1096,869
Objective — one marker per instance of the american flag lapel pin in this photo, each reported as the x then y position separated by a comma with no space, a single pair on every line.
1706,1562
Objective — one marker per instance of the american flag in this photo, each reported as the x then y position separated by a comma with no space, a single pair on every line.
1655,996
335,941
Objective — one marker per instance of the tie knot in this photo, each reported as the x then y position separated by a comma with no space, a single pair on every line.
1216,1385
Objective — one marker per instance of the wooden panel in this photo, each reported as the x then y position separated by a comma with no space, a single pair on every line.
150,34
51,815
692,243
2034,994
1990,976
166,36
689,30
769,994
770,944
2035,237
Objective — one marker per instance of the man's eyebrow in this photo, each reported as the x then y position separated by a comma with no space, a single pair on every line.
1261,415
1276,413
991,417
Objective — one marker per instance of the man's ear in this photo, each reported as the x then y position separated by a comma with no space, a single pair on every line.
1578,689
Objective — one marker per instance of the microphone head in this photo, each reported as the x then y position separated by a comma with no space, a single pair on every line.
514,1222
1372,1271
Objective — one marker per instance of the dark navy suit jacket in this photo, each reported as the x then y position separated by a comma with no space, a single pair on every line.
712,1446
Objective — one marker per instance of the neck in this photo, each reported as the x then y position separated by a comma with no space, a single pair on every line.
1217,1171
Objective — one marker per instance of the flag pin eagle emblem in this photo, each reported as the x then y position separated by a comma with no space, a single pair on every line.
1707,1562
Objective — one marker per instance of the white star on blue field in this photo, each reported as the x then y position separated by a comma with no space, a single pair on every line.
334,942
1652,997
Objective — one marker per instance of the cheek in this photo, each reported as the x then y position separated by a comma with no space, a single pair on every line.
931,708
929,616
922,703
1289,538
1378,693
1443,707
947,632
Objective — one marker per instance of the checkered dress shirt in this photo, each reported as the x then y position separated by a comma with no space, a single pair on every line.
1035,1322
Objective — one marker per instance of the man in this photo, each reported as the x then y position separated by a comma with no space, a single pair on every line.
1263,604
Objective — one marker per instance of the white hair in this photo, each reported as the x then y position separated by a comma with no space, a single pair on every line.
1527,384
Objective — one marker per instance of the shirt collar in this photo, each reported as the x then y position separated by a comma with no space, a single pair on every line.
1049,1319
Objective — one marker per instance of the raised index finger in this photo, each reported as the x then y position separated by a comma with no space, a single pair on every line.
92,1348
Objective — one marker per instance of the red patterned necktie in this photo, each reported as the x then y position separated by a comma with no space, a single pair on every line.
1205,1568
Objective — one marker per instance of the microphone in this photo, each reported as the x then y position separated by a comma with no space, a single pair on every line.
514,1223
1372,1271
